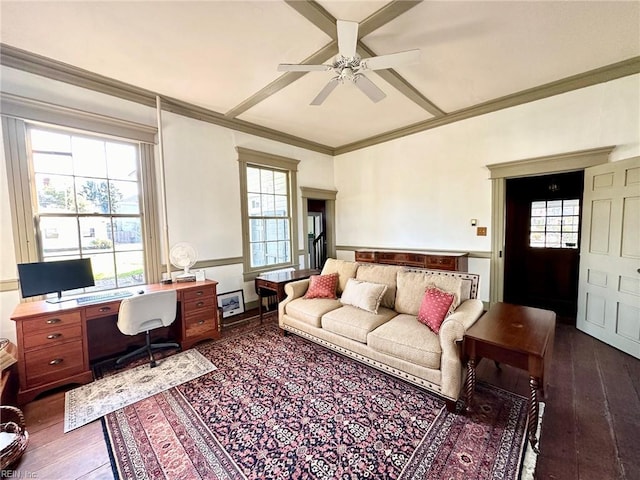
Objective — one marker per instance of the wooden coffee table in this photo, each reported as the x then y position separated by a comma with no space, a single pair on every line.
514,335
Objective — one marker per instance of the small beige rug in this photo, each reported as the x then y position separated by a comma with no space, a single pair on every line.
89,402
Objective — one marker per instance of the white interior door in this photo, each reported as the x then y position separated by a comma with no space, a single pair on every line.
609,283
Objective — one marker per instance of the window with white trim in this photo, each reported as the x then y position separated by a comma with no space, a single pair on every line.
87,203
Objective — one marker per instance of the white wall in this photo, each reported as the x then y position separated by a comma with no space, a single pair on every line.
422,190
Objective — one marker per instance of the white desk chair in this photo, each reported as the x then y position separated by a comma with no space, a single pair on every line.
146,312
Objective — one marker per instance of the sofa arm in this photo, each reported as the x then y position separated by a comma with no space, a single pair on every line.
451,332
293,290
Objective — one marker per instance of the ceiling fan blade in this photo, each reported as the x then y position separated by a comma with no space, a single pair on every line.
324,93
292,67
347,38
391,60
369,88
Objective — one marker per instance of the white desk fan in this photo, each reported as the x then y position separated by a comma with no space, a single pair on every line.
184,255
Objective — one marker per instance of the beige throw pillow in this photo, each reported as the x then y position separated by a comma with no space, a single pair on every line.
364,295
386,274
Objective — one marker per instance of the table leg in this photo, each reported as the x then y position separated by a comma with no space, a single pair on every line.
470,383
260,304
533,413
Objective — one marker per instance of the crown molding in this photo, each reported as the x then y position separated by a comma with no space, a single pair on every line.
46,67
607,73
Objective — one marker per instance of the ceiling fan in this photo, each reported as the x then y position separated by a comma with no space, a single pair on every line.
348,65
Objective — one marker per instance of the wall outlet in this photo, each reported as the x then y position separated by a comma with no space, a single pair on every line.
482,231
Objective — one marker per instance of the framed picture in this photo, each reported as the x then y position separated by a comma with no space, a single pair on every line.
231,303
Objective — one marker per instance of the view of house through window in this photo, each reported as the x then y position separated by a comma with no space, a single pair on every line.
555,224
269,216
88,203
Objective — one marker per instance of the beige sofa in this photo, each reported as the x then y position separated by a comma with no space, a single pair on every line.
392,340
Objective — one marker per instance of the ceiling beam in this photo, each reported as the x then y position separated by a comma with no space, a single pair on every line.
283,80
317,15
396,80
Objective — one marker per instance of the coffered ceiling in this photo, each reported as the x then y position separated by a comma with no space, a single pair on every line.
218,60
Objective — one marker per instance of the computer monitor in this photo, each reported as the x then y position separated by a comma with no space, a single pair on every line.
41,278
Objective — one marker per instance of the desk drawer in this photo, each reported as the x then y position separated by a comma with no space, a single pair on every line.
48,323
102,310
194,293
53,363
443,263
202,324
52,336
198,303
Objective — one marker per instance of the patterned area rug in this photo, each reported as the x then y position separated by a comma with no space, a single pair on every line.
284,408
94,400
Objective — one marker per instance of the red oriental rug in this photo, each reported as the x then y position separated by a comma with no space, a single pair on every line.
285,408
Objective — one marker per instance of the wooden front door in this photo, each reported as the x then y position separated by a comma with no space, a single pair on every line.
541,254
609,298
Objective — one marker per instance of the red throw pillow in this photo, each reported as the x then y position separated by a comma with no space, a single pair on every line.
322,286
434,308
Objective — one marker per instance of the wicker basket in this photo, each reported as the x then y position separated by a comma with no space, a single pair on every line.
14,450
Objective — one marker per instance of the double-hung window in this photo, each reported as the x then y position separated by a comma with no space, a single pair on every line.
87,203
268,207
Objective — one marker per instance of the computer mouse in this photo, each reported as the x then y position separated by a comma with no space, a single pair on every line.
140,292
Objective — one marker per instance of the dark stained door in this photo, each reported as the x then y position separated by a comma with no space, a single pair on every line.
542,276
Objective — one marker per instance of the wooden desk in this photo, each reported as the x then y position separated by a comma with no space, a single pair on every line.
518,336
275,282
57,342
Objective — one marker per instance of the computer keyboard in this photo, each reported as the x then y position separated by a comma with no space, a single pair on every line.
103,297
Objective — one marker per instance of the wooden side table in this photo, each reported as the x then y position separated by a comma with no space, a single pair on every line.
518,336
273,284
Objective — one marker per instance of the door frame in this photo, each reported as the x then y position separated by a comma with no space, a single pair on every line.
329,196
500,172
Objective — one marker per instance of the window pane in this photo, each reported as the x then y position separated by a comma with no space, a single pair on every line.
283,252
122,161
52,163
95,235
266,181
554,208
538,221
54,193
283,229
130,268
271,230
551,221
254,205
268,205
256,230
280,183
89,157
553,240
570,240
571,207
280,208
272,253
104,271
538,209
127,233
93,195
124,197
253,180
42,140
258,255
59,236
537,239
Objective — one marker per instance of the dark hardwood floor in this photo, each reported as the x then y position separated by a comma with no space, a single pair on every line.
590,428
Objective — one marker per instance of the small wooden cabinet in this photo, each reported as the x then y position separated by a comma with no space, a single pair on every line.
199,312
432,260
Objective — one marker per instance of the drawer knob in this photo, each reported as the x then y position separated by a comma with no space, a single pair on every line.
52,321
200,322
53,336
56,361
105,309
199,293
199,304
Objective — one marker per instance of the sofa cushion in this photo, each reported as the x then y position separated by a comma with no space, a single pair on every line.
386,274
311,311
405,338
435,307
322,286
355,323
412,285
364,295
343,268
